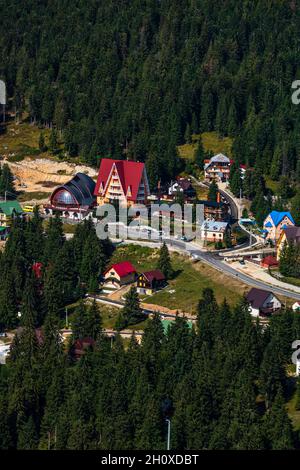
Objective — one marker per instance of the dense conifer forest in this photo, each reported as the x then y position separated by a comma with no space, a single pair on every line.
223,385
136,78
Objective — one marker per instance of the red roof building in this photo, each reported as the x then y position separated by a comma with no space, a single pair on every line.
38,270
81,346
150,281
269,262
120,274
122,180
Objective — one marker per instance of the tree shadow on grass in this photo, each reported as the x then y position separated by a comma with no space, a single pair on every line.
176,274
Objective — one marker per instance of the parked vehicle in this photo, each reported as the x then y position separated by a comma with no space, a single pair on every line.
28,208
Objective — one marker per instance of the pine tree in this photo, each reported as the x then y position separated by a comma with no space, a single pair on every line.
132,312
244,432
164,262
296,208
30,301
27,435
150,435
42,143
93,321
54,239
213,192
8,304
6,181
79,321
278,427
53,143
188,134
236,182
271,373
199,154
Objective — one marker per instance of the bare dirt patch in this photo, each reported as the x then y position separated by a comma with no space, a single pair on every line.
42,175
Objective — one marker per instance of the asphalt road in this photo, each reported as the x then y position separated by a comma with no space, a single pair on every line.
214,261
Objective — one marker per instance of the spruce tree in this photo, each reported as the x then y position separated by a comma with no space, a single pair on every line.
164,262
42,143
278,427
213,192
132,312
199,154
53,143
295,210
6,182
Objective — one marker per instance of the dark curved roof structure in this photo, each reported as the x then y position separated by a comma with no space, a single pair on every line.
79,191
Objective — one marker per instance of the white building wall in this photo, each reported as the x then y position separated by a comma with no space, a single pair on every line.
254,311
274,300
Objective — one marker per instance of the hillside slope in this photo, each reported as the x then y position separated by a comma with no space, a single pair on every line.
137,77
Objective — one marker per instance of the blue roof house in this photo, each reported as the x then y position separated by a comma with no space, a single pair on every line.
275,222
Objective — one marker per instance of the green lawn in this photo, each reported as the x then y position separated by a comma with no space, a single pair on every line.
295,281
22,140
142,258
184,291
211,142
272,185
108,314
291,280
189,281
29,196
69,228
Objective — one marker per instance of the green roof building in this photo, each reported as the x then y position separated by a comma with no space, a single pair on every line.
167,323
9,210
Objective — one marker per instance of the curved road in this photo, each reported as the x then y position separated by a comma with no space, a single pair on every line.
216,263
214,260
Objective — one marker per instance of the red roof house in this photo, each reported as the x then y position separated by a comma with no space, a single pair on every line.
269,262
81,346
150,281
38,270
120,274
122,180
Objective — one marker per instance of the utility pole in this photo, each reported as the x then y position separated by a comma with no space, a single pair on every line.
3,98
169,433
67,323
240,208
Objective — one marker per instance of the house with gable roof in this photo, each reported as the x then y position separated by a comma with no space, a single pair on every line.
275,223
150,281
122,180
119,274
214,231
289,235
8,211
262,302
217,168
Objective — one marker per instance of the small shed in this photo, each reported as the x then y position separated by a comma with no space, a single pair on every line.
269,262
